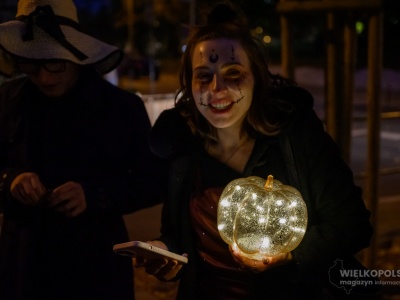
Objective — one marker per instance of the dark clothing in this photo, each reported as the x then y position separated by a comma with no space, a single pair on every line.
96,135
217,269
303,155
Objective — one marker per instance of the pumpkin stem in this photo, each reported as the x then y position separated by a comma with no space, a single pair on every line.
269,183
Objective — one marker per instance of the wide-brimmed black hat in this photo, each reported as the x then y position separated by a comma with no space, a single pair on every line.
49,29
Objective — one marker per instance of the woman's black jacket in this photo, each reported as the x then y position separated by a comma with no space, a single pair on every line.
338,225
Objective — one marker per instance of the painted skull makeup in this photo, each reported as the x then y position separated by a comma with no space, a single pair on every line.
223,83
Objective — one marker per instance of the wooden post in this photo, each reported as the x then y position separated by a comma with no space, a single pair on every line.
375,42
287,51
349,64
130,24
334,79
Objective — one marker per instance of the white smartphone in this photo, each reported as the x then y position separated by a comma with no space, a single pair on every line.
138,248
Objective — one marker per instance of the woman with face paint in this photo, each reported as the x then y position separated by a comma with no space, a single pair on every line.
234,119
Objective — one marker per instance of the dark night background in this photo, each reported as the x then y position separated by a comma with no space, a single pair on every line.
157,27
162,22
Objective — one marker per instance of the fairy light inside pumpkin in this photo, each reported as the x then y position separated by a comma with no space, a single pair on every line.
261,217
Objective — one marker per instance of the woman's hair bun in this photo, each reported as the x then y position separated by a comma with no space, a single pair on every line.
226,13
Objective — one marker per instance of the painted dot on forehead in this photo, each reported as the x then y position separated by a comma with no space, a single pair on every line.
213,57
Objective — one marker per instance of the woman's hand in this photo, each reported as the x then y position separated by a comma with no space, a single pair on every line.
258,266
163,269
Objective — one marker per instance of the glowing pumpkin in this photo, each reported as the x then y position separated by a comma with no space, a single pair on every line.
261,217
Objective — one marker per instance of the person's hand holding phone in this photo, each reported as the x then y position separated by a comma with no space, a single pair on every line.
162,268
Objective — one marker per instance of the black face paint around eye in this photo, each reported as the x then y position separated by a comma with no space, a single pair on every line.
233,54
213,57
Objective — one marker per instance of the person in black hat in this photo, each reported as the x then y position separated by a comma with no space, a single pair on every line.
74,158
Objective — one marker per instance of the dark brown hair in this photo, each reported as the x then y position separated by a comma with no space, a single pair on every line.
265,114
